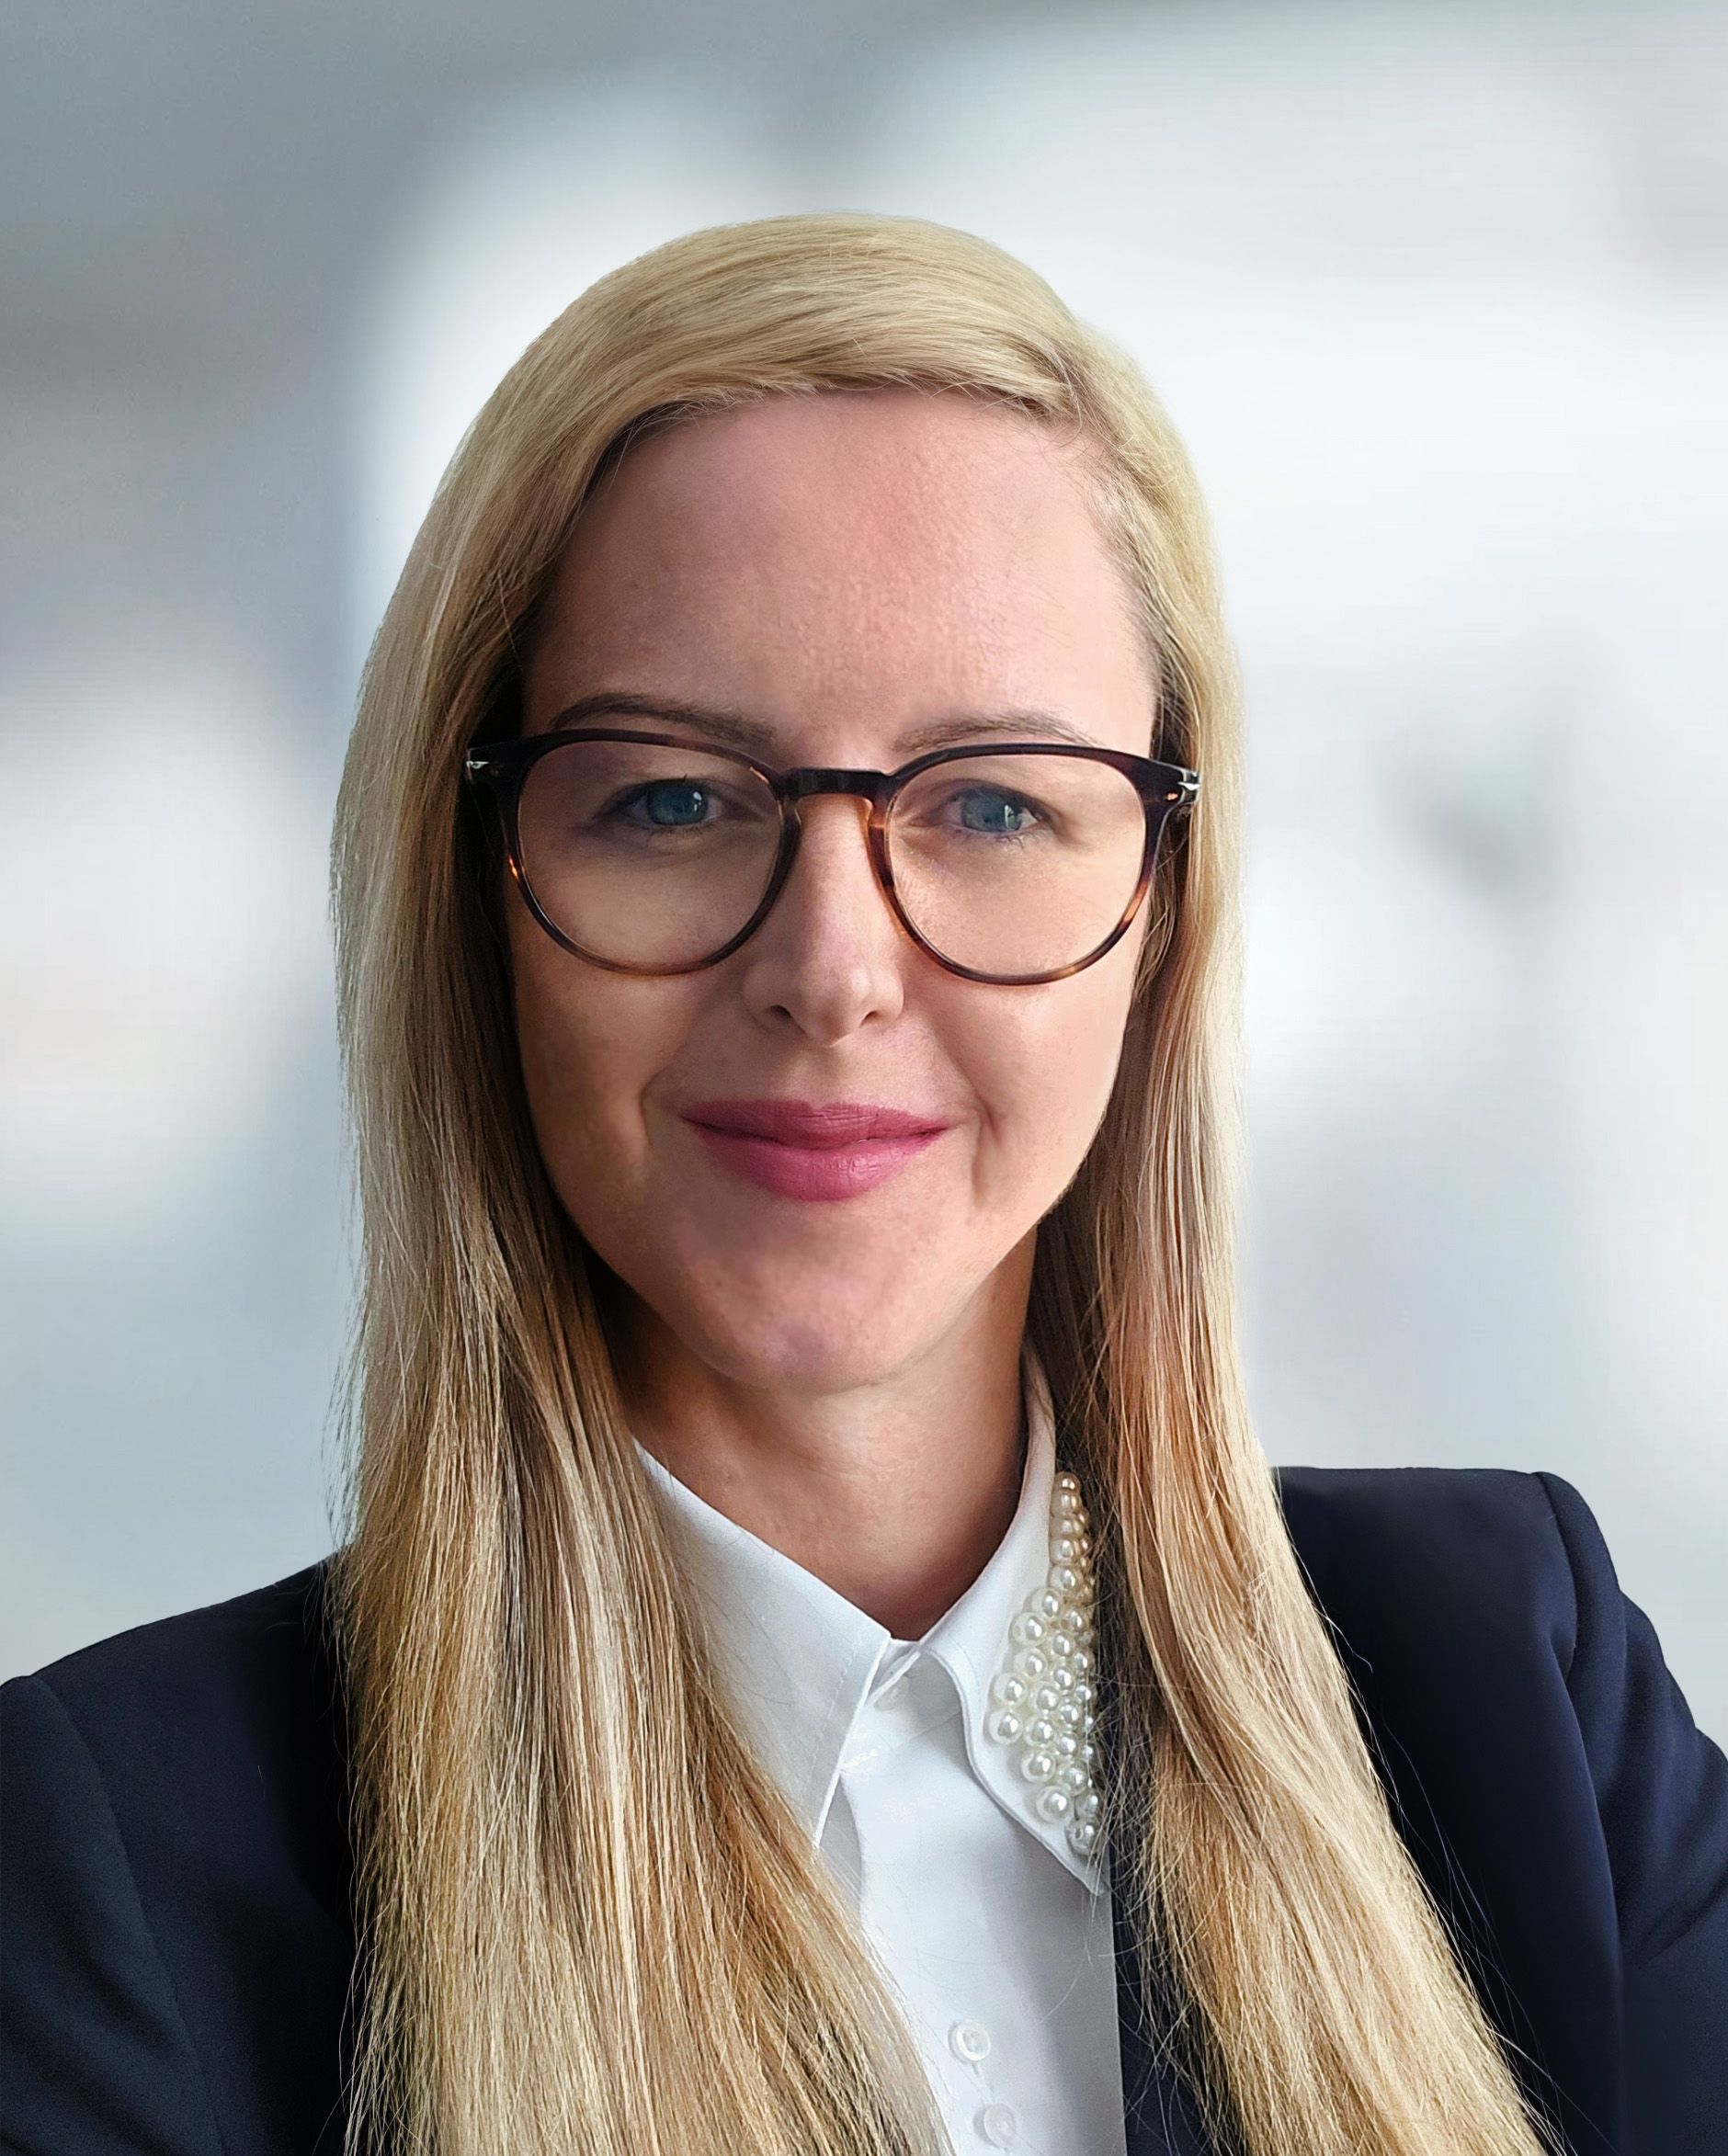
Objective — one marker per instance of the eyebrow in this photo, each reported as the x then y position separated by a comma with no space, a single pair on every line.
755,737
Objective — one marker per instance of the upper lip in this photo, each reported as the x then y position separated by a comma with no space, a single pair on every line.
826,1125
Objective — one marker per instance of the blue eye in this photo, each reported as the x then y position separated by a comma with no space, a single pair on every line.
1000,803
674,788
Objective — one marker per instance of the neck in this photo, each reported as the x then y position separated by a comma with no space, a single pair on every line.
894,1490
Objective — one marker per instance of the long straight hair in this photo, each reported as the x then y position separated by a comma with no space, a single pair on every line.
588,1925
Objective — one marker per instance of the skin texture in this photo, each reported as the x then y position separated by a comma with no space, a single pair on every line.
840,1378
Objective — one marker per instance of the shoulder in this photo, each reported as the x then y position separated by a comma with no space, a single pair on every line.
1479,1609
1515,1698
164,1703
1542,1761
210,1742
1450,1590
218,1641
1496,1553
176,1868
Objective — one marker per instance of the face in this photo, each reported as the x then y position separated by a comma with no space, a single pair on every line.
841,567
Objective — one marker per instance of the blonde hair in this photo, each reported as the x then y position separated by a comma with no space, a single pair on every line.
587,1920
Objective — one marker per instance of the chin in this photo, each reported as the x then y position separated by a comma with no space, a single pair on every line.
813,1341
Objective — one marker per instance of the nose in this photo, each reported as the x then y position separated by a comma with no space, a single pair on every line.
831,952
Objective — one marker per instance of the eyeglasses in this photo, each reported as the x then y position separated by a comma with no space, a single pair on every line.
647,853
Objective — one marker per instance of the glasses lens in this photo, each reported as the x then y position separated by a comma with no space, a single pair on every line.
645,856
1013,864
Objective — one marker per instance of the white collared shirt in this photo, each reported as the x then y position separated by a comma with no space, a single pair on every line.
995,1933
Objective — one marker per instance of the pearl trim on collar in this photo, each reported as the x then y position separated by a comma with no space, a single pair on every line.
1044,1704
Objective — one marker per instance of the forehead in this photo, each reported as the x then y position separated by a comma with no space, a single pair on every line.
821,554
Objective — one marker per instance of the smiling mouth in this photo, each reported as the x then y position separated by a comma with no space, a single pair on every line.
812,1150
812,1126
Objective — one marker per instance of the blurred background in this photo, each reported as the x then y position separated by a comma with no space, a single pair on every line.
1437,297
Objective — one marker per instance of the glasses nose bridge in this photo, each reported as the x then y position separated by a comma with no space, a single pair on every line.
803,785
869,787
806,784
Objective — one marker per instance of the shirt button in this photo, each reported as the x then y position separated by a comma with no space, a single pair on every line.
967,2040
892,1695
998,2125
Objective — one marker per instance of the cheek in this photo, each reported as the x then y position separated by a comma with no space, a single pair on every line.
584,1064
1046,1070
1078,1069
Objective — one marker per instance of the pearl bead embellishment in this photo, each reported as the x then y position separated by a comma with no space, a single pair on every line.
1043,1706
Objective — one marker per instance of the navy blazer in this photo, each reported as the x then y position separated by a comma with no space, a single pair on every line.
178,1944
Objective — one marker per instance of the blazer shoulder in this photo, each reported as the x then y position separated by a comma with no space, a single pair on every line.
227,1718
218,1630
1480,1615
1492,1551
174,1868
232,1660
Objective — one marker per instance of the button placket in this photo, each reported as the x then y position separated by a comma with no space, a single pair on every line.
996,2123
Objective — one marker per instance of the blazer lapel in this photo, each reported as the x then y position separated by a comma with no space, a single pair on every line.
1160,2116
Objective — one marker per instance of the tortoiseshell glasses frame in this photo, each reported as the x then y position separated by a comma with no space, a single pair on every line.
501,768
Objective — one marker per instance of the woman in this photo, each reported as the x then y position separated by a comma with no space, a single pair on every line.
821,1663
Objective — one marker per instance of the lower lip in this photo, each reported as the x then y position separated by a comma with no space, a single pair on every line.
809,1172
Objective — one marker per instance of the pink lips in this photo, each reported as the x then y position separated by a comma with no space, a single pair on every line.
811,1149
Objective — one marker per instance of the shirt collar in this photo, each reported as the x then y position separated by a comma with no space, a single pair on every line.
799,1662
